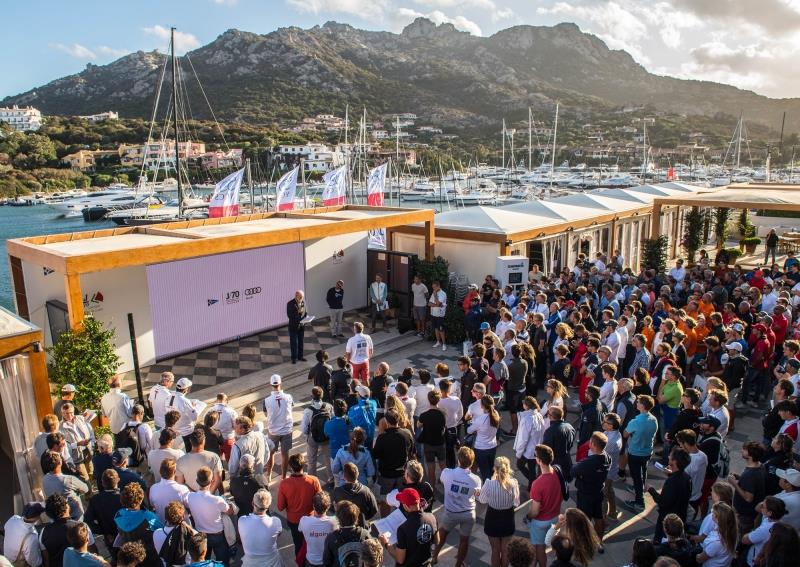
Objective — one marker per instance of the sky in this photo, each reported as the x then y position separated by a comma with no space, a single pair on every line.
751,44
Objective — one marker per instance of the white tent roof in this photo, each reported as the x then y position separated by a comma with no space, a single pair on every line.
497,220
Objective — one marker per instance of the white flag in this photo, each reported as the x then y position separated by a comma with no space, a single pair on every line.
285,191
335,187
375,184
225,201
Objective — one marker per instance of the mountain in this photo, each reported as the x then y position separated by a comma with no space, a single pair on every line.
448,77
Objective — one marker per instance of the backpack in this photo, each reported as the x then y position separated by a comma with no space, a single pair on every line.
723,464
174,549
350,554
563,481
319,417
129,437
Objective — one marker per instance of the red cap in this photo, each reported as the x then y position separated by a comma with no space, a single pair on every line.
408,496
760,327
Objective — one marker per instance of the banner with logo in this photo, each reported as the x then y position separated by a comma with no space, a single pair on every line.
225,201
286,190
375,185
335,187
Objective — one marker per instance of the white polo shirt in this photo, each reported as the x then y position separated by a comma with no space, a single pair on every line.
358,347
158,401
315,531
165,491
207,510
278,409
453,410
259,535
459,490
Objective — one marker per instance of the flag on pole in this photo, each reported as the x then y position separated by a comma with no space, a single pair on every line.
225,201
375,185
285,191
335,187
671,174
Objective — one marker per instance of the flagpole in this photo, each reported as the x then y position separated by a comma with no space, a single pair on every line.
303,181
250,186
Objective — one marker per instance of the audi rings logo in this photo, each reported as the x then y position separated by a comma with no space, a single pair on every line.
252,291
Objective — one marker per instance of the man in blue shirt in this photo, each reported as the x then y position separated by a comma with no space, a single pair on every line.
197,551
640,433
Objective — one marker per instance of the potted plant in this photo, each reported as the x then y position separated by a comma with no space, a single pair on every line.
733,255
86,358
749,244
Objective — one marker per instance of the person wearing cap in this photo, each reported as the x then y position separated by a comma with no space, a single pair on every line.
189,409
420,304
158,396
278,410
67,395
116,406
80,439
335,300
120,458
789,481
21,540
416,535
472,293
296,312
473,319
364,413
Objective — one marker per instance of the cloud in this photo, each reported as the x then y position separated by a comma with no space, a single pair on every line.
111,51
226,2
405,16
363,9
777,16
484,6
75,50
183,41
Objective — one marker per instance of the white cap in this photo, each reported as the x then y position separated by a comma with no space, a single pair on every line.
67,388
362,391
184,383
792,476
734,346
275,379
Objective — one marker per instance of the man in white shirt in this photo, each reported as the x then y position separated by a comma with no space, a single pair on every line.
144,434
227,417
189,409
165,451
420,306
198,458
158,396
450,404
678,273
21,541
278,409
316,527
460,487
475,408
789,481
609,388
438,305
116,405
167,489
599,264
358,352
79,436
687,440
207,510
612,340
378,300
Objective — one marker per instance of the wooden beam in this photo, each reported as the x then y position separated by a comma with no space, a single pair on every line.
655,220
430,240
18,283
24,250
22,343
612,237
75,313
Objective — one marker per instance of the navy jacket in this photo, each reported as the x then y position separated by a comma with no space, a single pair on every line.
590,474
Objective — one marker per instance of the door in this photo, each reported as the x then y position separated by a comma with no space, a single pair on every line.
397,270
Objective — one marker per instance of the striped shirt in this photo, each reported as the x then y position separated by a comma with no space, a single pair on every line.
498,497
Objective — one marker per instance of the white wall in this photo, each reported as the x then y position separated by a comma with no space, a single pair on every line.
123,291
765,224
472,259
323,270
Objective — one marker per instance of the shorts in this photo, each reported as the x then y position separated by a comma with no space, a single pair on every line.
284,442
438,323
537,530
592,507
420,313
733,397
389,484
464,521
434,452
514,401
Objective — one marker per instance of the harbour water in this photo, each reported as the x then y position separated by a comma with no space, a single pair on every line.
18,222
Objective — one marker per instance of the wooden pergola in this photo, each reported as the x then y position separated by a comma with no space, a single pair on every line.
770,197
19,337
137,246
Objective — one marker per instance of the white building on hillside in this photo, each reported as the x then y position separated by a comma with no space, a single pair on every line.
316,157
21,119
110,115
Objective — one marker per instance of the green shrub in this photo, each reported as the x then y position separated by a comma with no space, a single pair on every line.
654,253
733,253
750,240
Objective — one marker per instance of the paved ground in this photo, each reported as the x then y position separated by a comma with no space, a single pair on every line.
404,350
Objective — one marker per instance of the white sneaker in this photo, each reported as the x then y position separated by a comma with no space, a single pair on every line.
437,344
444,348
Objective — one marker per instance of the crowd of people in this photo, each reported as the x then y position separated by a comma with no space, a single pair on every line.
608,377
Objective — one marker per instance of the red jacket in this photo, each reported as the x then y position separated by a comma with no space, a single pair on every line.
759,356
780,325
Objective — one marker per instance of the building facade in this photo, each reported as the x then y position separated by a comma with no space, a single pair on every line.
22,119
110,115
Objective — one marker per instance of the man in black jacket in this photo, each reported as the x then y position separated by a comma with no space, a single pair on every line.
710,442
355,492
341,382
560,437
676,492
320,373
296,311
591,415
590,476
335,299
393,449
102,508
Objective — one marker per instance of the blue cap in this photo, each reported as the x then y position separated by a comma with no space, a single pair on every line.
485,326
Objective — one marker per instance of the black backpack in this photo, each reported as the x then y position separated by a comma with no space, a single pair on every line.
319,417
174,549
129,437
723,464
563,481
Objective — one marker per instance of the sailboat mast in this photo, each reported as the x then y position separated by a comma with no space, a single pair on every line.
250,186
503,164
644,151
530,139
739,141
553,153
347,150
397,161
175,121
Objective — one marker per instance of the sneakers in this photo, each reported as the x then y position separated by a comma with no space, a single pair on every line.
634,506
437,344
444,348
753,404
740,405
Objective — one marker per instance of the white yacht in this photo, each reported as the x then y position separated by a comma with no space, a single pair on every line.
110,198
